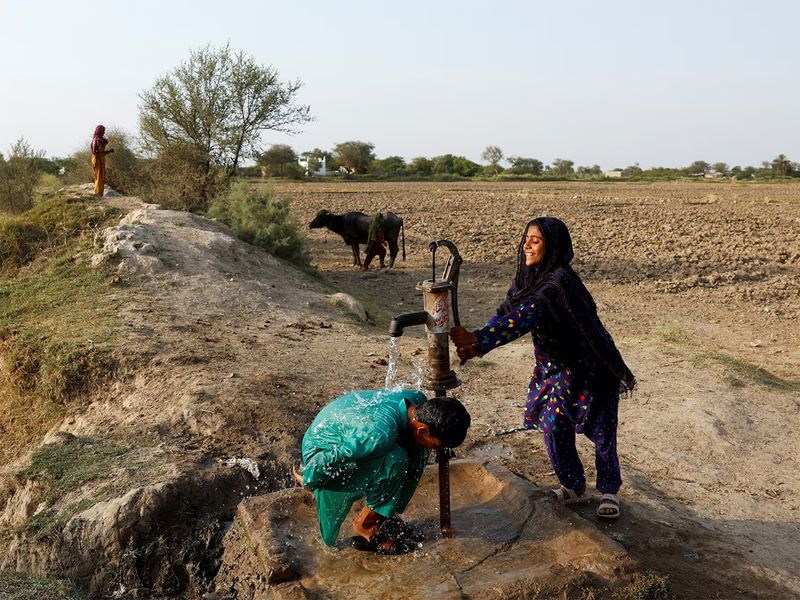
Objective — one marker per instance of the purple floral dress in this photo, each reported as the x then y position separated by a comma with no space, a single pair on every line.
556,398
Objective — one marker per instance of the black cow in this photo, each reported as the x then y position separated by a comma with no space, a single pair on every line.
354,229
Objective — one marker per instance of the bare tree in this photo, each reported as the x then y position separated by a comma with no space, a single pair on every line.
204,116
493,155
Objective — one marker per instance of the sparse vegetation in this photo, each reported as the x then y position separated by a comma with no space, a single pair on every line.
47,227
675,341
22,586
261,219
61,467
70,463
56,314
650,586
18,177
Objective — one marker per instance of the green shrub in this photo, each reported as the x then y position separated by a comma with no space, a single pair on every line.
18,177
260,219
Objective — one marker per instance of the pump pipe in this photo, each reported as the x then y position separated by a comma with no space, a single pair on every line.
437,299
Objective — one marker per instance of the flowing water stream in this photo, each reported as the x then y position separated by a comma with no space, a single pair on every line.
391,370
392,382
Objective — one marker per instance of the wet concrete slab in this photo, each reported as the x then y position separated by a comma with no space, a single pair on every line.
509,541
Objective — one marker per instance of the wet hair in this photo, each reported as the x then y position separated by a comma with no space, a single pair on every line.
446,418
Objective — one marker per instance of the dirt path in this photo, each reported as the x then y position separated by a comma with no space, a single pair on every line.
700,286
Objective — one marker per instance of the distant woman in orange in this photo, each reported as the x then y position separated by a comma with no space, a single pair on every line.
99,159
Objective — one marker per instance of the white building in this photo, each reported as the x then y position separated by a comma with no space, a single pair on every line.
320,172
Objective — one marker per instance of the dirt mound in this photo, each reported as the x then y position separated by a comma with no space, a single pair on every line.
212,332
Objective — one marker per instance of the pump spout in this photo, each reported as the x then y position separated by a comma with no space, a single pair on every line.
400,322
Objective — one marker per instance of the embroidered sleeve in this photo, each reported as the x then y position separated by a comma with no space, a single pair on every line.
502,329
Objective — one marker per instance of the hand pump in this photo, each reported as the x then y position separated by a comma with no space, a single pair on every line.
438,377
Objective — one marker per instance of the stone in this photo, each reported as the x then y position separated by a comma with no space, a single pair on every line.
507,536
350,304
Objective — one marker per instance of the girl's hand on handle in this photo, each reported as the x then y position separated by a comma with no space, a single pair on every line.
466,343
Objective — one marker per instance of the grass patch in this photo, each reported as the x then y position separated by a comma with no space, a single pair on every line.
61,468
649,586
48,226
57,316
674,340
22,586
48,524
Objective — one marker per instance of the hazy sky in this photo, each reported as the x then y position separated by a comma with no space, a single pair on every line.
613,83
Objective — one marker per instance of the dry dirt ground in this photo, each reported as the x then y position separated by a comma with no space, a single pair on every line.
700,286
228,353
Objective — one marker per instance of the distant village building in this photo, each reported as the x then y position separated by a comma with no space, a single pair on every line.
614,173
321,170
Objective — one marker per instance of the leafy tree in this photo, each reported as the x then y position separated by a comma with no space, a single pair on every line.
421,165
747,173
633,170
525,166
443,164
698,167
781,165
391,165
465,167
277,158
18,177
201,119
493,155
354,156
562,168
721,168
593,171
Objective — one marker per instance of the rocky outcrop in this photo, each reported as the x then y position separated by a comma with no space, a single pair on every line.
509,540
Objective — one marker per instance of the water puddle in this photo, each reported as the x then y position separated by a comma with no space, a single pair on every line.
508,537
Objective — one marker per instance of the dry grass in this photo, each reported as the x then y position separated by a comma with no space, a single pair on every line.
57,317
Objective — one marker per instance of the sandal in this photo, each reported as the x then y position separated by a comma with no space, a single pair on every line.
567,496
609,507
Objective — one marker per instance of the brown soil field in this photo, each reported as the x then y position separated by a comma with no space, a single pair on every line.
225,352
699,283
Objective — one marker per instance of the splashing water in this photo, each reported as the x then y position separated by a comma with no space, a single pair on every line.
392,382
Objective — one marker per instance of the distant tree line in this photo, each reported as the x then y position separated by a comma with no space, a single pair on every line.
358,158
202,124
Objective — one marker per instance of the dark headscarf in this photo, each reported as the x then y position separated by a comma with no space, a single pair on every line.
98,141
568,300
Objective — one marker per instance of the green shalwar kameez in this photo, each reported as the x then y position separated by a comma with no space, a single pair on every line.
353,449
